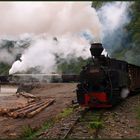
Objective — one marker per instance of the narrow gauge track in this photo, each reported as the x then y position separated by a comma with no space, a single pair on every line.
88,125
75,120
99,119
77,125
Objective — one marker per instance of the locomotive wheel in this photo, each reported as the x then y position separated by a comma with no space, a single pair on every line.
124,93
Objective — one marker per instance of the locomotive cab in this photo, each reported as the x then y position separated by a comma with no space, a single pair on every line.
102,80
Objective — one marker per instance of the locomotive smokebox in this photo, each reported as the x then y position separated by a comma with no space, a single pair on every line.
96,49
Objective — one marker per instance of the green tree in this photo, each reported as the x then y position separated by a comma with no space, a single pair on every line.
4,68
130,50
73,66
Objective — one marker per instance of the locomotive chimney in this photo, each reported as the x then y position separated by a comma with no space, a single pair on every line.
96,49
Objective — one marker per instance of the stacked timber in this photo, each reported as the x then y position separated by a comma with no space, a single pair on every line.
27,95
28,111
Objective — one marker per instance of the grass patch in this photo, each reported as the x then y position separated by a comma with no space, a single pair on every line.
47,125
95,124
27,132
138,113
30,133
65,113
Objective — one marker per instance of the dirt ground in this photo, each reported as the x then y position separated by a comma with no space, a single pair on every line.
120,122
61,92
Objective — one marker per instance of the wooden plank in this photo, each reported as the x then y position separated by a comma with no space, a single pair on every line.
23,114
28,110
31,114
27,95
3,111
22,110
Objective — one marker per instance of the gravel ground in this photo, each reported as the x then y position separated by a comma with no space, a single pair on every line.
122,121
61,128
79,130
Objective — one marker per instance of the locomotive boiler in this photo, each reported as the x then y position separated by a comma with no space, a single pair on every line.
105,81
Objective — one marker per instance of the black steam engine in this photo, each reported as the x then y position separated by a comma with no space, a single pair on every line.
106,81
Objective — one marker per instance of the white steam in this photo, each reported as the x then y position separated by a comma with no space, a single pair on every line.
113,17
75,24
43,51
124,93
68,21
53,18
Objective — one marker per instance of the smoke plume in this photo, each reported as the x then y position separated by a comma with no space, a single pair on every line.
43,53
114,16
53,18
74,24
68,21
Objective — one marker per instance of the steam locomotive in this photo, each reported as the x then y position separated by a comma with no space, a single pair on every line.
105,81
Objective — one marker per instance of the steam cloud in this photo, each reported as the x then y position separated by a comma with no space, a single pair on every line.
75,24
55,18
42,53
68,21
113,17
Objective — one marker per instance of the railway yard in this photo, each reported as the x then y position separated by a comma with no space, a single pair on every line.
47,112
70,70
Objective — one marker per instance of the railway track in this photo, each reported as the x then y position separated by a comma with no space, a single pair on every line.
75,119
88,126
99,120
81,124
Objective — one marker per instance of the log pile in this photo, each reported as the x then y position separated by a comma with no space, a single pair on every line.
27,95
28,110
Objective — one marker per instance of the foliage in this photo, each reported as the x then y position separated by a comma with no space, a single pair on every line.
138,112
130,49
30,133
96,124
73,66
97,4
4,68
134,26
27,131
66,112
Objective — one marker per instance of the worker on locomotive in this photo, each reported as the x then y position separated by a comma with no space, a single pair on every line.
104,81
